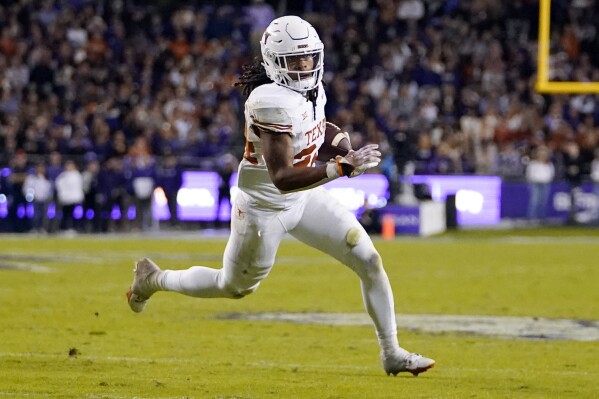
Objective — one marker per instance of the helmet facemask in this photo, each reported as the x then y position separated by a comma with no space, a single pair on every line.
291,76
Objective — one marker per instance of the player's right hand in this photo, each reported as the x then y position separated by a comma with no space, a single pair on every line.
357,162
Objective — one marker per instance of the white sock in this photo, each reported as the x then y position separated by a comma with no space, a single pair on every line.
378,299
197,281
390,345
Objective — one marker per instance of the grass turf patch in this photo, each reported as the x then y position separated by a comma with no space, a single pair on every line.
67,331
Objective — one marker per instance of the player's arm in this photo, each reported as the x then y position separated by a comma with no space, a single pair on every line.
278,154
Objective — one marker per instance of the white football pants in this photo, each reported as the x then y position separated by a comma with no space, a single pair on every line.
321,222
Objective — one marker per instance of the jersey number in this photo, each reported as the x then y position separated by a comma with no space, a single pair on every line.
306,157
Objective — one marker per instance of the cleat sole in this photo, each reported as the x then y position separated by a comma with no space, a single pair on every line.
421,370
136,303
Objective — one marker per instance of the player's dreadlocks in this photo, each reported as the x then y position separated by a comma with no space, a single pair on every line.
254,75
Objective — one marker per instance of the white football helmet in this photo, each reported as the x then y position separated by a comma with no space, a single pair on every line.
288,37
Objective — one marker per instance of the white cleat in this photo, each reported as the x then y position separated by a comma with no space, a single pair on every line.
412,363
144,284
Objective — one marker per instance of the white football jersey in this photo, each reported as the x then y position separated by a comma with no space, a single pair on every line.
278,109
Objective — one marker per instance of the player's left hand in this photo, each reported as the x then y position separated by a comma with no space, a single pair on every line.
355,162
364,158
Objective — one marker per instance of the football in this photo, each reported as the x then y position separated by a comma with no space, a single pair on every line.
336,138
335,143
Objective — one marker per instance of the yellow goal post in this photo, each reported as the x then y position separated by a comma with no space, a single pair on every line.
543,85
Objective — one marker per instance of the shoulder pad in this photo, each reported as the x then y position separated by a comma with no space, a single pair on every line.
270,107
274,96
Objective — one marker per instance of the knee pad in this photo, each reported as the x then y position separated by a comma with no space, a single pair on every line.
363,258
353,236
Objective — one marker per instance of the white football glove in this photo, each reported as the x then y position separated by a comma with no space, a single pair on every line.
355,162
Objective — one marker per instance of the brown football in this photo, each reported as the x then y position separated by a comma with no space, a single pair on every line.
330,135
328,150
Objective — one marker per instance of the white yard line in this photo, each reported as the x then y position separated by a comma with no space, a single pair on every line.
508,327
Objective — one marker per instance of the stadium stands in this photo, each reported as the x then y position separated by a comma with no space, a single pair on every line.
445,87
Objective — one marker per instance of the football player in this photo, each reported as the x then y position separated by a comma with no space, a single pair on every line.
280,193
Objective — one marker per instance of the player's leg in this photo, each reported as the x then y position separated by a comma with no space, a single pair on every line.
248,258
328,226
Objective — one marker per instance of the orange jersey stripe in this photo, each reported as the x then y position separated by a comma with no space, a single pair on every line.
272,126
249,150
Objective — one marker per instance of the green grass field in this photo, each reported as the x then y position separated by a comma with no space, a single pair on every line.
66,330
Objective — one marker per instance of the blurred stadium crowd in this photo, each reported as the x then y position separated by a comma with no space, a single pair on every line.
108,99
